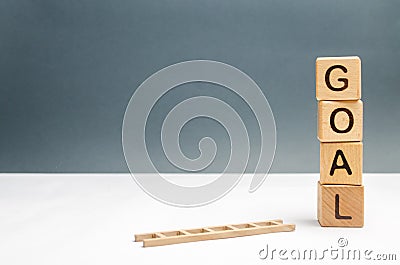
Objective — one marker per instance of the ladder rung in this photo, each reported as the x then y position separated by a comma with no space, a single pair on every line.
184,232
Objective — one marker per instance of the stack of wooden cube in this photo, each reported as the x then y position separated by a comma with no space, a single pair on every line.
340,126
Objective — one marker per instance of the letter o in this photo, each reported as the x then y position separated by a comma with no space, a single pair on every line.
351,120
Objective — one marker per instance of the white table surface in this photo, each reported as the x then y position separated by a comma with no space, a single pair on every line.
92,219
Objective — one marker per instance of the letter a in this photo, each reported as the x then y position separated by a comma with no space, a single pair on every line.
335,166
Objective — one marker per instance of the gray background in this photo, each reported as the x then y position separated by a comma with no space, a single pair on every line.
69,68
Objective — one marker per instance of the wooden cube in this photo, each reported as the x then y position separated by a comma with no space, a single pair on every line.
341,163
340,121
340,205
338,78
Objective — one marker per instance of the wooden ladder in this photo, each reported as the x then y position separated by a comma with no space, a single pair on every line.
212,232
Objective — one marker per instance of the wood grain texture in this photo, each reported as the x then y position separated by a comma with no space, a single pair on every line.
347,156
340,121
340,205
213,232
338,78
